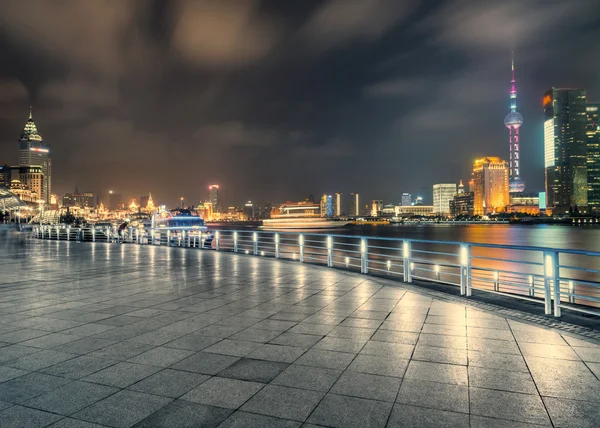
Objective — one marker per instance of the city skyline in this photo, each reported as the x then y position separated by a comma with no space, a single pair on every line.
396,93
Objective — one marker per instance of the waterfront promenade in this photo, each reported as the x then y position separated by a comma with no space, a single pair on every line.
95,334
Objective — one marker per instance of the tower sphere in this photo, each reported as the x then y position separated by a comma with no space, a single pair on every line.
513,119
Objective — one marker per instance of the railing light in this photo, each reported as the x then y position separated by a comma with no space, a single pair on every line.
496,275
262,253
254,236
347,261
389,264
247,252
329,242
294,256
405,250
363,246
464,256
301,239
277,238
412,266
437,268
548,266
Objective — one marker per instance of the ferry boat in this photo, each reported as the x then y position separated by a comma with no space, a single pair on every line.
300,215
179,220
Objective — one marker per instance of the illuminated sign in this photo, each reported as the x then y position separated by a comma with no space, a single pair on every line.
36,149
547,100
549,143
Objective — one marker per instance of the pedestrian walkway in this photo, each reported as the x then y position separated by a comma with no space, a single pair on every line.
95,334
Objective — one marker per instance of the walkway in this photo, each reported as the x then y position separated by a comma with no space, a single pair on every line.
122,335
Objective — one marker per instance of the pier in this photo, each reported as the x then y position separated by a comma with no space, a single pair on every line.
118,335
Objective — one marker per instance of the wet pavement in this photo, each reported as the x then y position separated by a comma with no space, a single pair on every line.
95,334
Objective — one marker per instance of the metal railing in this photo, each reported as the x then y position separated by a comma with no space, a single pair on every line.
556,278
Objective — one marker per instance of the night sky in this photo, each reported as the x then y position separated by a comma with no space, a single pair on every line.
275,100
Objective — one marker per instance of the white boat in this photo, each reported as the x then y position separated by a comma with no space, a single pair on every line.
300,215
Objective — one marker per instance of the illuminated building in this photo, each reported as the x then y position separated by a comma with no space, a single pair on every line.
565,149
413,210
442,195
490,176
376,207
77,199
524,204
32,177
205,210
133,206
5,175
22,191
354,205
593,155
419,200
406,200
213,196
33,152
249,210
337,207
513,122
461,187
462,204
326,206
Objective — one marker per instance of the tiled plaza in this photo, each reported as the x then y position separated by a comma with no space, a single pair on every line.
109,335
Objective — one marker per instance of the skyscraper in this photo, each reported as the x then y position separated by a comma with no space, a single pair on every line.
442,195
593,155
491,184
213,196
565,149
406,200
326,205
337,208
513,122
33,152
354,205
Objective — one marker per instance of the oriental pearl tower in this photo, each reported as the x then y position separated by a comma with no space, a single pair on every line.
513,121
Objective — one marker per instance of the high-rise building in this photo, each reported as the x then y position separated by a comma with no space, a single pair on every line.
513,122
462,204
337,206
85,199
32,178
115,201
593,155
249,210
5,175
406,200
442,195
213,196
461,188
565,149
354,205
376,207
33,152
326,206
490,177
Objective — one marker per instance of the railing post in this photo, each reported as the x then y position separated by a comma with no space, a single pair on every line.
329,251
277,252
364,256
571,292
465,274
406,261
496,281
168,238
68,229
531,286
217,241
548,277
93,234
235,242
301,247
556,283
255,244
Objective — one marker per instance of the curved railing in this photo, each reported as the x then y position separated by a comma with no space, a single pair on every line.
556,278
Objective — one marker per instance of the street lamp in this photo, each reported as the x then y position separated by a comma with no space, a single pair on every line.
182,202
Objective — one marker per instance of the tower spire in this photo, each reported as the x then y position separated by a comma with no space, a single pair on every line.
30,115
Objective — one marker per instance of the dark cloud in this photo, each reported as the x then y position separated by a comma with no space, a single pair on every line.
276,100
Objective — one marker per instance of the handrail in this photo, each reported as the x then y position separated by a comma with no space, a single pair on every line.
534,274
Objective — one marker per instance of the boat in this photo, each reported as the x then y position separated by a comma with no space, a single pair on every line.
300,215
179,221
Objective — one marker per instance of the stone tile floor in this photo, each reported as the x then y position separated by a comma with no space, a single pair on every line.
96,335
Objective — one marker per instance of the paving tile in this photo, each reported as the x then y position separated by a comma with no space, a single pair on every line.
501,379
283,402
296,339
485,422
241,419
50,340
588,354
364,385
161,356
405,337
495,360
192,342
341,344
236,348
13,352
493,345
183,414
436,372
74,423
28,386
384,366
309,328
420,417
78,367
205,362
326,359
8,373
279,353
20,336
572,413
223,392
88,329
444,341
84,346
169,383
121,351
40,360
434,395
252,334
508,405
350,412
71,397
121,374
123,409
254,370
384,349
21,417
440,355
549,351
305,377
